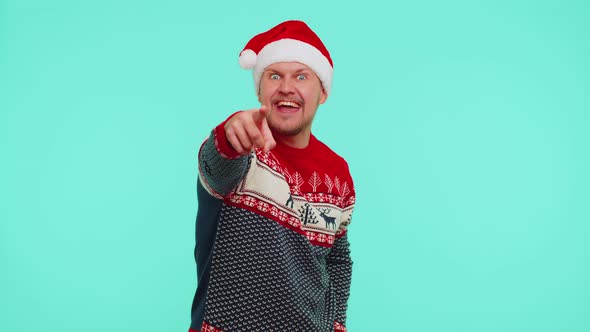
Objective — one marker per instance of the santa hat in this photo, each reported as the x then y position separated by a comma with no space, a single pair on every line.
286,42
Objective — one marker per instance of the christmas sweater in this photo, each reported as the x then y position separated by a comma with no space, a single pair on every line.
272,251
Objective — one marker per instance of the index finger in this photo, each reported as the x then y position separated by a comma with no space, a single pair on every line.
260,114
269,141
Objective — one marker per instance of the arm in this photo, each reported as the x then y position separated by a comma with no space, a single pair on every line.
224,156
220,166
339,262
339,266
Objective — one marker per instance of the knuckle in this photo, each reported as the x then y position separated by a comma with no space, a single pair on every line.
256,136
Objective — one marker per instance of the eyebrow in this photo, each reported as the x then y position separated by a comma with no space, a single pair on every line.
298,71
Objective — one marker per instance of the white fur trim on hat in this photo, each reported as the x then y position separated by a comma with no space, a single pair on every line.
247,59
288,50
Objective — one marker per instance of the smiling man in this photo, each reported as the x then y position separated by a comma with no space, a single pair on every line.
272,250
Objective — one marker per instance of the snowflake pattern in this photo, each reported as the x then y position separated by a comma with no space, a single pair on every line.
339,327
280,216
208,328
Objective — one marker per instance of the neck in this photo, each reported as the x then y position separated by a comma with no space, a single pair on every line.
299,141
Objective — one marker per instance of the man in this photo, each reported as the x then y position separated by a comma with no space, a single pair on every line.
271,249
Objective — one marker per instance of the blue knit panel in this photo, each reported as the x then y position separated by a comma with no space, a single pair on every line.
339,265
221,174
265,277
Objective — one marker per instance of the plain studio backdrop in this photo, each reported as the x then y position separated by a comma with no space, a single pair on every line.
466,125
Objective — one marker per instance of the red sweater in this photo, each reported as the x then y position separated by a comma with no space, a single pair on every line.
271,247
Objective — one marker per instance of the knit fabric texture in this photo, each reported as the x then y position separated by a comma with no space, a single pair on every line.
272,250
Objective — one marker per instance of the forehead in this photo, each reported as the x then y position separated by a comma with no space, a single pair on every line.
287,67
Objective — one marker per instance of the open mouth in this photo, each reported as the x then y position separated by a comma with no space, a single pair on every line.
287,106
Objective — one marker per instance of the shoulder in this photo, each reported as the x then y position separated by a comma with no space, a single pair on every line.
337,173
323,147
327,154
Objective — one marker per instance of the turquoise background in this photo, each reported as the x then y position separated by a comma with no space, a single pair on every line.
465,124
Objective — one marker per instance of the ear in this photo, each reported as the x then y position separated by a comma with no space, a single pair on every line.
323,96
258,93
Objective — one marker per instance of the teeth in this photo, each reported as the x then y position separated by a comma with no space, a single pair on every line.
287,103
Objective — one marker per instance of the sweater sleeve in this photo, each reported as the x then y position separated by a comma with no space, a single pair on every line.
339,266
339,261
220,167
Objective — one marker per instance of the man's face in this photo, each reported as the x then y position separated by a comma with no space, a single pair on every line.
292,92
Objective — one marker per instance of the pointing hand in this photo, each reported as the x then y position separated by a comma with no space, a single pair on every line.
249,129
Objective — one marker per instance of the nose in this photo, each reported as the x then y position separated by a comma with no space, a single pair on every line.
287,86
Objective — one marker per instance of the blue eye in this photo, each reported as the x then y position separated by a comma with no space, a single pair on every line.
301,77
274,77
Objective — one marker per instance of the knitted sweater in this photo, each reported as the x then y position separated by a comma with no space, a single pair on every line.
272,252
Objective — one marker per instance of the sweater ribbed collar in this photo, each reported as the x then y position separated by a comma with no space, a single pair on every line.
284,149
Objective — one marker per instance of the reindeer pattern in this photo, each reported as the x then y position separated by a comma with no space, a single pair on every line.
330,221
322,202
325,191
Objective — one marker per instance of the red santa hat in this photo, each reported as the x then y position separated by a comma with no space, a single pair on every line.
289,41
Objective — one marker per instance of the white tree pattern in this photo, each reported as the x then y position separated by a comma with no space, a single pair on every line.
337,185
345,190
297,181
328,182
287,175
315,181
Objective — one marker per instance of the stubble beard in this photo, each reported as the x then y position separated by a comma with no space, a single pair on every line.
277,129
287,131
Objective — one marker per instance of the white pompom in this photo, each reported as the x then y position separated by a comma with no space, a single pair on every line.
247,59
